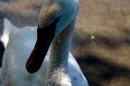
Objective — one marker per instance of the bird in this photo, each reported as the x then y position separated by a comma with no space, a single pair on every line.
4,40
19,43
55,29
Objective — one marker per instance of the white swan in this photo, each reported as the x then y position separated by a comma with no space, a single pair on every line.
18,49
55,27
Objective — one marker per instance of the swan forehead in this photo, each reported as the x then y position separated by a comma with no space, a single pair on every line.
48,13
52,9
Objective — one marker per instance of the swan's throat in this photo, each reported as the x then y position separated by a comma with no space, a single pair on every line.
58,67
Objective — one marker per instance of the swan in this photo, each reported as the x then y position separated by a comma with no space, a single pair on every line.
13,62
55,27
19,43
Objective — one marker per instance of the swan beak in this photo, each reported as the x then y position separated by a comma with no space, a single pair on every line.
44,39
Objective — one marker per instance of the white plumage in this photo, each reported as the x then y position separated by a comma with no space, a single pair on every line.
18,49
55,29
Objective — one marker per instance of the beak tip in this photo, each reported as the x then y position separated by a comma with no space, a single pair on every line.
31,69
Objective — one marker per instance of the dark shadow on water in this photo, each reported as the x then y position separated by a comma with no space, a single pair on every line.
98,71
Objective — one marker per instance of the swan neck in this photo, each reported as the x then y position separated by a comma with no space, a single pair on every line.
58,65
60,48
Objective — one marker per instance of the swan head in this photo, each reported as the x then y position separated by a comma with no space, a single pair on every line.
54,16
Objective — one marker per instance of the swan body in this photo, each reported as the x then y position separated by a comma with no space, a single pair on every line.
18,49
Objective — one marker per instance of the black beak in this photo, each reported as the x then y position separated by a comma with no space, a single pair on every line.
44,39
